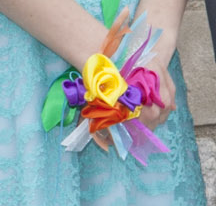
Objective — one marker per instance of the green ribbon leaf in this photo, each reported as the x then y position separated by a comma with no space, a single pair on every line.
52,108
109,8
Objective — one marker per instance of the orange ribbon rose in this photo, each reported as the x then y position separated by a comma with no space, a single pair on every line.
102,115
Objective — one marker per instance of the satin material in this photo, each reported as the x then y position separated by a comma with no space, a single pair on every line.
53,104
74,91
148,83
102,115
102,80
109,8
78,139
131,98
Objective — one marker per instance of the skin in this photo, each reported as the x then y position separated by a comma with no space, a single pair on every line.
166,14
60,23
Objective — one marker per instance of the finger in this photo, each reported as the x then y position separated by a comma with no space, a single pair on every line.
164,116
150,116
173,107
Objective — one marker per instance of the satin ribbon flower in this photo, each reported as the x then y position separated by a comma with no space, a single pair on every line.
131,98
102,80
74,91
102,115
148,83
112,106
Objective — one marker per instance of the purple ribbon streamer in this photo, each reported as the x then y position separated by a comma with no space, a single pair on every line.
144,141
132,60
131,98
74,91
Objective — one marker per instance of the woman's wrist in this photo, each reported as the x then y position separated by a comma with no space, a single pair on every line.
167,15
65,27
165,48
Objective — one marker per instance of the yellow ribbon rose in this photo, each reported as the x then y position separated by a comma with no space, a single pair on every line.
102,80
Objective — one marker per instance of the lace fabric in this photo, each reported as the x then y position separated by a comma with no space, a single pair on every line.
169,179
35,170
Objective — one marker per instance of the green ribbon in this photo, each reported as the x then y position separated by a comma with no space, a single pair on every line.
52,109
109,8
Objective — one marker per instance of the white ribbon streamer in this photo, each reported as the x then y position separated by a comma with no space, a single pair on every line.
78,139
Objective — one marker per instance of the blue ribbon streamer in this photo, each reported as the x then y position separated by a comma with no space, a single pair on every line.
125,136
153,40
122,139
121,47
59,148
118,142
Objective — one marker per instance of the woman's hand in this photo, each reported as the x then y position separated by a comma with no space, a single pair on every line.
154,115
167,15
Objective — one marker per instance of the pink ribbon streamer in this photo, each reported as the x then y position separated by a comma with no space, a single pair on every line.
144,141
132,60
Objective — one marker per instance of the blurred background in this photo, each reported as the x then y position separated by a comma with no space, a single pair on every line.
195,47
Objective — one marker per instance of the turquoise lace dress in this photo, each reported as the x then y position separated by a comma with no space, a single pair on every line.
35,170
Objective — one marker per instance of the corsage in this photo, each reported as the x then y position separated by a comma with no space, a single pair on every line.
113,88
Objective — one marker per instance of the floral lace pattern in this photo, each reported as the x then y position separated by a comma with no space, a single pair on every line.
171,179
35,170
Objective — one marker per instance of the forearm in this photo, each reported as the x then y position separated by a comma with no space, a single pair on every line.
62,25
167,15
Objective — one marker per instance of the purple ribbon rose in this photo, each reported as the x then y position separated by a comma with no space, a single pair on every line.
74,91
131,98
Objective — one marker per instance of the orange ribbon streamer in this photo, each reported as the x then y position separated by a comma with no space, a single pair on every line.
102,115
115,34
103,139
